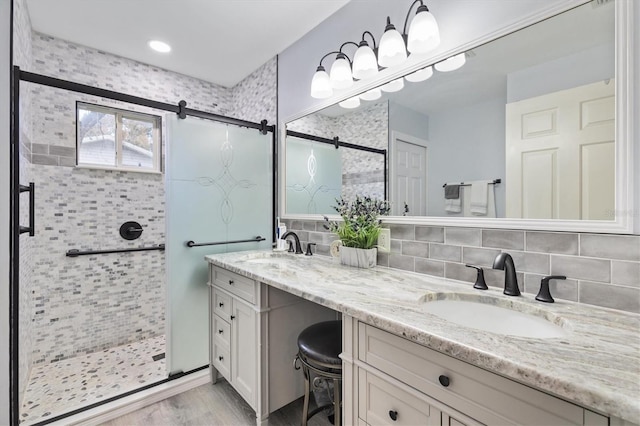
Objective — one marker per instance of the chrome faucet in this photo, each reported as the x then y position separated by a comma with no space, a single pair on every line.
297,240
504,261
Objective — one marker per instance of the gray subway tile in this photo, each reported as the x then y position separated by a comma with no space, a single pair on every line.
39,148
430,267
320,250
479,256
396,246
552,242
62,151
625,273
503,239
445,252
45,160
531,262
399,261
316,237
383,259
402,232
495,278
434,234
67,161
559,289
581,268
413,248
463,236
619,247
457,271
610,296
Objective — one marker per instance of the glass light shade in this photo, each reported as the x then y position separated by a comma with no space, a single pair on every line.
392,50
393,86
159,46
420,75
321,85
424,34
350,103
371,95
452,63
365,64
340,74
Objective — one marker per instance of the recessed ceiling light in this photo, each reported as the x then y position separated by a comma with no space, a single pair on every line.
159,46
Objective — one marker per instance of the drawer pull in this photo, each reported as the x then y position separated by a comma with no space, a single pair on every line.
444,380
220,331
220,357
233,317
393,414
221,304
230,282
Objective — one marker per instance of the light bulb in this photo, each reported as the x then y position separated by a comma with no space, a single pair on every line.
424,34
371,95
320,84
393,86
392,50
365,64
159,46
353,102
420,75
452,63
340,75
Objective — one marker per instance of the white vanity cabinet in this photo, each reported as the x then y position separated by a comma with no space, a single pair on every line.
253,338
391,380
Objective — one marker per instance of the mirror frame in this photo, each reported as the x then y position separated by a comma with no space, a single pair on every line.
624,131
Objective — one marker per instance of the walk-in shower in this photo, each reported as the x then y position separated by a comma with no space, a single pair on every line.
107,296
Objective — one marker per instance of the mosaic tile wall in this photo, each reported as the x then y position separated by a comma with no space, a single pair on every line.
362,172
601,269
85,304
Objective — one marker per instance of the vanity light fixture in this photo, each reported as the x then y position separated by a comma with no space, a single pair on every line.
420,75
350,103
371,95
393,86
423,36
452,63
159,46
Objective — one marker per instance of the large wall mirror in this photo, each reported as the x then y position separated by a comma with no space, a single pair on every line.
525,130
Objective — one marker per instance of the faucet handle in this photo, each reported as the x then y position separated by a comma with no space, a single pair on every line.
480,282
309,252
544,295
290,246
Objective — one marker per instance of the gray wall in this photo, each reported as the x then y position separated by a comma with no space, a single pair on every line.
5,37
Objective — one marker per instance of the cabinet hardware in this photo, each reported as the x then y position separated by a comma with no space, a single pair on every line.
221,304
220,331
444,380
393,414
230,282
233,317
220,357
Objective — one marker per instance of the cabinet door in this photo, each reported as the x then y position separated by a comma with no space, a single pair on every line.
244,356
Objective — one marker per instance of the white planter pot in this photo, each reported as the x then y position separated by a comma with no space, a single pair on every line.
360,258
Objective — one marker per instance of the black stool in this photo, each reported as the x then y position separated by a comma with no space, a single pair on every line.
318,348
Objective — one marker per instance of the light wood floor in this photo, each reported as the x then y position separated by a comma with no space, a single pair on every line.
210,405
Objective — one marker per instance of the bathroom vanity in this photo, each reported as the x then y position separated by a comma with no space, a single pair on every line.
403,364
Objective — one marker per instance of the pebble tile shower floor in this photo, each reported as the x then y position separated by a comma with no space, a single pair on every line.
63,386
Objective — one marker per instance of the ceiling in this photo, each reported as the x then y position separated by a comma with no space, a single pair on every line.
220,41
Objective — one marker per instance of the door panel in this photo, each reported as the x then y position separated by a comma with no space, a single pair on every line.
410,178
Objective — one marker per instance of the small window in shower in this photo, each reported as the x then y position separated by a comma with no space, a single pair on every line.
117,139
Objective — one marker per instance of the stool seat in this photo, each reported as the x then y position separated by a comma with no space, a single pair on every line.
321,343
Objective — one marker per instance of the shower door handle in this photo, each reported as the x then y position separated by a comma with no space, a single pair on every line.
31,189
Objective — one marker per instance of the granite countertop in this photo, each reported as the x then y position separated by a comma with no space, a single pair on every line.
597,365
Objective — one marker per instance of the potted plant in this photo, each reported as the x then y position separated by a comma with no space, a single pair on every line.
359,229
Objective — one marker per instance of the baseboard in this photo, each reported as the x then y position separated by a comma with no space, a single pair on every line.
128,404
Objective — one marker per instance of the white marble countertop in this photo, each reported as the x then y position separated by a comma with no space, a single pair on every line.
597,365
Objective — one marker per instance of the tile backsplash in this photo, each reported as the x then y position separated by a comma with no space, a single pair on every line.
601,269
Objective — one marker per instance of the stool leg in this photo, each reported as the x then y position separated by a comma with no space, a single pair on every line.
337,409
307,391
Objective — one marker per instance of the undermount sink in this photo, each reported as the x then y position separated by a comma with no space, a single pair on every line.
495,315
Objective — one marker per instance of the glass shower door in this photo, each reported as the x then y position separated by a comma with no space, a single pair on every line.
219,188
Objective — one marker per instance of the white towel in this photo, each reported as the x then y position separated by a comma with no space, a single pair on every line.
453,205
479,193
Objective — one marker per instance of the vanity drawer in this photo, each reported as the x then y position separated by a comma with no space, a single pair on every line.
380,402
221,359
221,331
221,303
485,396
236,284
